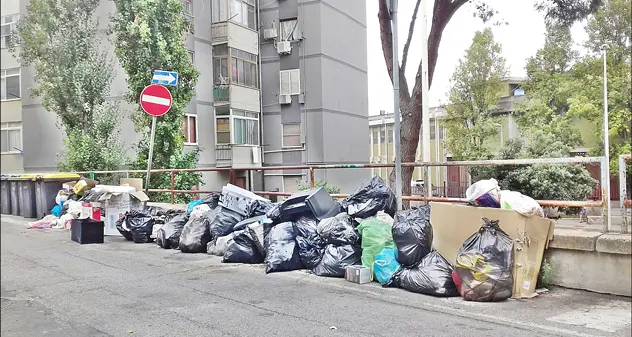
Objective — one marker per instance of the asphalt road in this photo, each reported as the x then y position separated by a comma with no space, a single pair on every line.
52,286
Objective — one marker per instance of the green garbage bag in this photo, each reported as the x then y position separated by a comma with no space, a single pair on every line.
376,235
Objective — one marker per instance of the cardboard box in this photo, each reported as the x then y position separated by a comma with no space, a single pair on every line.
67,187
116,204
83,185
358,274
453,224
90,210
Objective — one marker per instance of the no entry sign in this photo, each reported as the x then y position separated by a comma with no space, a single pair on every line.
155,100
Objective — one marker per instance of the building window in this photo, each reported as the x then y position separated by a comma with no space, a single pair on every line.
219,11
375,135
390,136
191,56
10,84
290,81
243,12
245,127
187,7
222,130
8,24
291,135
288,30
382,136
11,134
243,68
190,129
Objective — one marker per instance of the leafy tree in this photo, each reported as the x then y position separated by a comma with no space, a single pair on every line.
610,26
60,40
565,12
150,36
321,183
476,88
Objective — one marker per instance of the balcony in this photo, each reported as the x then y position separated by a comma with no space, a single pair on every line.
221,95
219,32
237,156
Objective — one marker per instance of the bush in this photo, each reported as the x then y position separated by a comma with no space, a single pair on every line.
322,183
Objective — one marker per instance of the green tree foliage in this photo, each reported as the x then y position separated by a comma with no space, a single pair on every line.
476,88
150,36
60,40
610,26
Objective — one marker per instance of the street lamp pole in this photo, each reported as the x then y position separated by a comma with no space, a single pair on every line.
606,137
425,104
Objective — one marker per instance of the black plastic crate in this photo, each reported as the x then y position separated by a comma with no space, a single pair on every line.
86,231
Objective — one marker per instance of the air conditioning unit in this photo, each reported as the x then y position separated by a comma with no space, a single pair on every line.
284,47
285,99
270,33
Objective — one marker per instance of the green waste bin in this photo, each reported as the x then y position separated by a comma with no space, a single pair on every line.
15,196
46,188
5,195
26,190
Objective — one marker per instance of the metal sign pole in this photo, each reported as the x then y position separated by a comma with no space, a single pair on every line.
151,152
606,142
396,112
425,104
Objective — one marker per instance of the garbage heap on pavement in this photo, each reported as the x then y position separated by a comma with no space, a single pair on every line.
362,238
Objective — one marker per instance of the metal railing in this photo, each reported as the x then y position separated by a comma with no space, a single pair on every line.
624,202
603,203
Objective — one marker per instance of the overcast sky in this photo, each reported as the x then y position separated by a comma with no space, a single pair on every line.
520,39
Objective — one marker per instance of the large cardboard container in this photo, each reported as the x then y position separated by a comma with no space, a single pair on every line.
117,201
453,224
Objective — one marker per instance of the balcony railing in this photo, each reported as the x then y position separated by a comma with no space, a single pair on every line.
219,32
221,94
223,155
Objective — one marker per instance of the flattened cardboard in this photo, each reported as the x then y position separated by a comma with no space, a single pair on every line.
136,183
453,224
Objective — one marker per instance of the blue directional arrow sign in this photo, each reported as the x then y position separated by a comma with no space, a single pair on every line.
165,77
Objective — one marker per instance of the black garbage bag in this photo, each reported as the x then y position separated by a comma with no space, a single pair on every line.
484,265
244,223
141,225
274,213
261,207
412,233
196,233
311,246
258,231
281,249
225,221
168,236
432,276
339,230
242,249
371,197
211,199
121,226
336,259
218,246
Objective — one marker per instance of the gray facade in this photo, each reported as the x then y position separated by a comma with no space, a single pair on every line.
328,47
328,118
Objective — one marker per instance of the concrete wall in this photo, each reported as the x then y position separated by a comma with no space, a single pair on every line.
592,261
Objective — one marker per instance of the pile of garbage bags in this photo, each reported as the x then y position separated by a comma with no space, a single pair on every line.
407,261
312,231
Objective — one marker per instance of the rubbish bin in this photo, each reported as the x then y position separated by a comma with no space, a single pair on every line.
46,188
5,195
26,187
15,196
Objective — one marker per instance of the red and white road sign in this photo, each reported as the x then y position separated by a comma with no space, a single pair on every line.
155,100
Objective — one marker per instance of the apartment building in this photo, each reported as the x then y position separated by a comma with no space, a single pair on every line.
448,181
282,82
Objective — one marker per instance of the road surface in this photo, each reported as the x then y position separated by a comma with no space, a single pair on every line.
52,286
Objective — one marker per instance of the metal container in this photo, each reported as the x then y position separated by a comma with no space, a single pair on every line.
14,196
26,187
5,195
46,189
